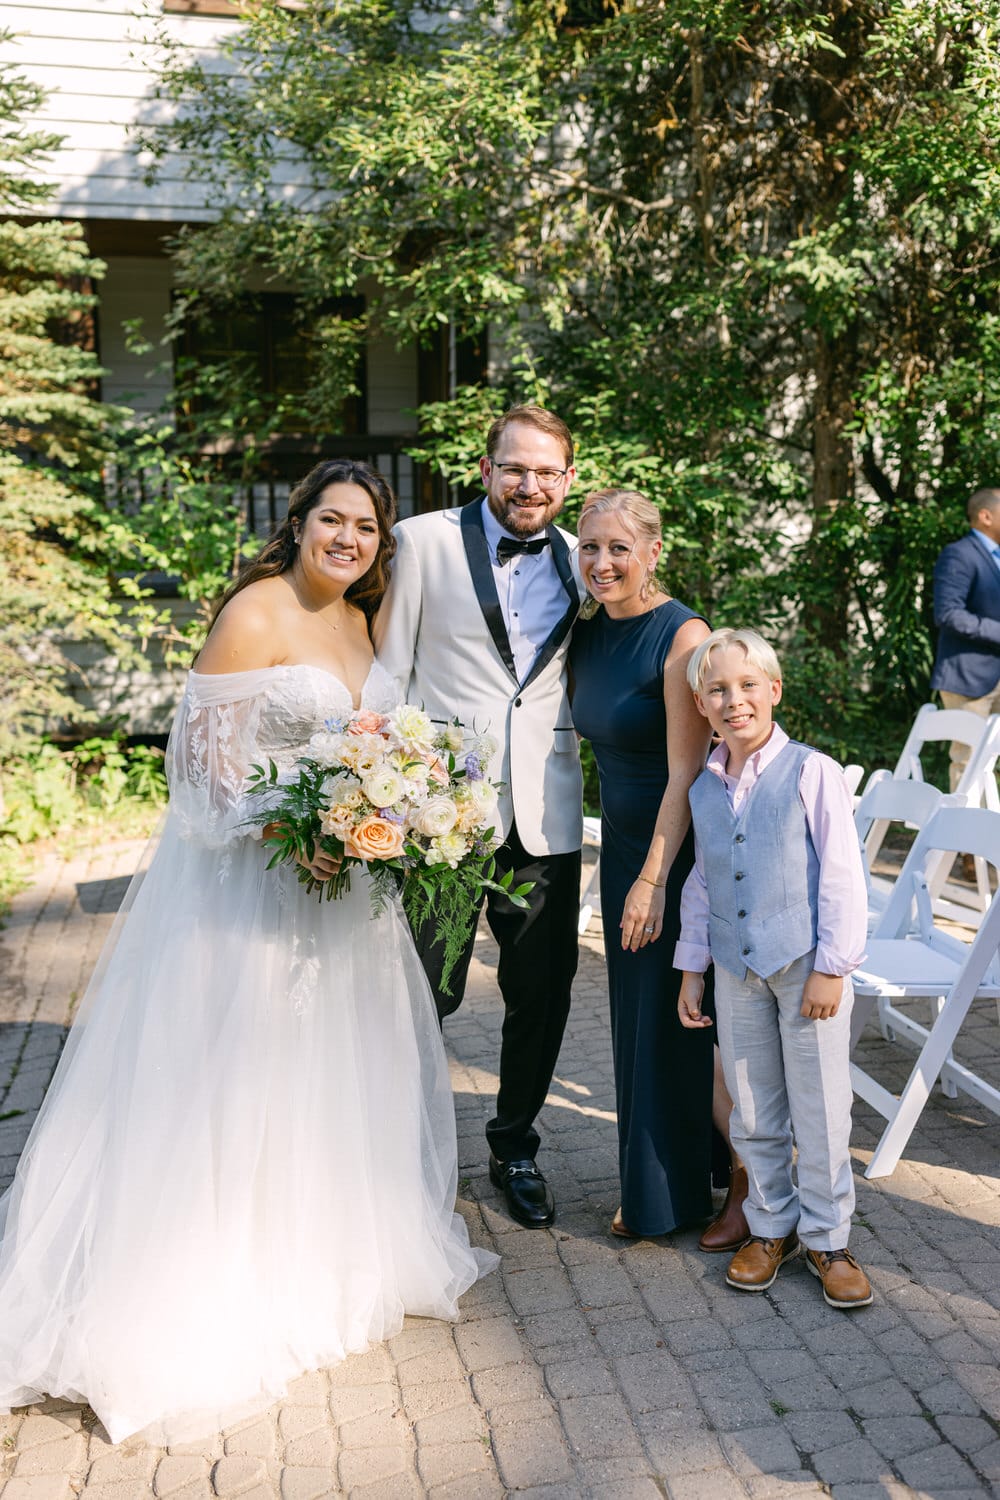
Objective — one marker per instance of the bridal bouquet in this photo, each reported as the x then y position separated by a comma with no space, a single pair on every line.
402,797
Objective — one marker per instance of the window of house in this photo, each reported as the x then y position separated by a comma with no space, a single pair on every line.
264,336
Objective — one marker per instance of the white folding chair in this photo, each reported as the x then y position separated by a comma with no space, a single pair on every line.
933,725
852,775
590,901
978,784
887,800
909,957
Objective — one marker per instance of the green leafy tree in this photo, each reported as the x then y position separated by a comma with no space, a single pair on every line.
748,251
57,537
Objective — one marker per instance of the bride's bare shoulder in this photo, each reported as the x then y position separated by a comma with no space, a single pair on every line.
249,631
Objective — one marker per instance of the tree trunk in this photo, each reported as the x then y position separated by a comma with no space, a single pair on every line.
833,483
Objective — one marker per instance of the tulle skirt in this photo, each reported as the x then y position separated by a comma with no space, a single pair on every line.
245,1166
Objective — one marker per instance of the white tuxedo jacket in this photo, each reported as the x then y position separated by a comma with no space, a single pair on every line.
440,632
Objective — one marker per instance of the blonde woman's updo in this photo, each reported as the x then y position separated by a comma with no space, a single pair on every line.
642,514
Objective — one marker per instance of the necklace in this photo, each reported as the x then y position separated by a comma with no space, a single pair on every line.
318,612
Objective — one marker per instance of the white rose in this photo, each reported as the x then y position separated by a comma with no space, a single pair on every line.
437,816
483,796
383,786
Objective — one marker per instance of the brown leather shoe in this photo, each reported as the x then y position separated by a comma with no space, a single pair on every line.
844,1282
754,1268
730,1230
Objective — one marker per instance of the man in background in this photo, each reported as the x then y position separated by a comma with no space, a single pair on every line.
967,614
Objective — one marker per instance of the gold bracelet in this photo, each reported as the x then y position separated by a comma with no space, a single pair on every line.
657,884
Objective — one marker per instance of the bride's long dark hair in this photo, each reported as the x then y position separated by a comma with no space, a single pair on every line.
279,553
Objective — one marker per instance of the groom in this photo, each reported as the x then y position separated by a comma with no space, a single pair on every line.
475,626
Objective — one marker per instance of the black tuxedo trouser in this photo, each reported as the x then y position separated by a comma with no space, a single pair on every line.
538,957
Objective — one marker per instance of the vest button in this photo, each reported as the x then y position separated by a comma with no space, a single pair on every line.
517,703
746,951
741,913
740,838
739,875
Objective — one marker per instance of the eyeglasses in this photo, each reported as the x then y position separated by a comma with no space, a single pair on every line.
515,473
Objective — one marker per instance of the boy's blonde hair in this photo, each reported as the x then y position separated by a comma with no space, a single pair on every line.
758,653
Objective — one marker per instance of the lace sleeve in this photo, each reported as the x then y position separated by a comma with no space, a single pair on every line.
212,745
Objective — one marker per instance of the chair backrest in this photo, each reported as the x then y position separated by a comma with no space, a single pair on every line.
888,800
933,724
853,775
979,780
954,830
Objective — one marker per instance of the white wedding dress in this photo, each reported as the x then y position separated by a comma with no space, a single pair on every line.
245,1166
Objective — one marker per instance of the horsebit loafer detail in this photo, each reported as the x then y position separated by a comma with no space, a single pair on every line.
844,1283
527,1195
754,1268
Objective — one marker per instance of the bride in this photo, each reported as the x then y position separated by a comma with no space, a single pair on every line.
245,1166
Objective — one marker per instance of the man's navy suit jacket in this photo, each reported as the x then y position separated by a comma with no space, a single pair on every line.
967,614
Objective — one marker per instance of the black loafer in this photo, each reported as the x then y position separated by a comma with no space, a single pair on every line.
527,1195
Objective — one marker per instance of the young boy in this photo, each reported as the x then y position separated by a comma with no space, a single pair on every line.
777,901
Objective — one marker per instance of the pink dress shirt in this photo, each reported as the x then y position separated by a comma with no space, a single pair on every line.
842,917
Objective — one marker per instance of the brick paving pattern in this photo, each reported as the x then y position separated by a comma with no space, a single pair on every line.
585,1367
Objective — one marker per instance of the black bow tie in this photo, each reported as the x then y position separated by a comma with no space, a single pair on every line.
508,547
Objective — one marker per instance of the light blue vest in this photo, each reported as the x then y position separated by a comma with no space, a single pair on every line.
761,867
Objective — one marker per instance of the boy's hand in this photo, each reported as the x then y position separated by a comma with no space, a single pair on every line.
689,1002
821,996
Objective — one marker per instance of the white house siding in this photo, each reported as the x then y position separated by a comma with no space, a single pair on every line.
99,64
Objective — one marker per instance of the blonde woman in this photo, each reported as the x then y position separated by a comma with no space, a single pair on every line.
632,702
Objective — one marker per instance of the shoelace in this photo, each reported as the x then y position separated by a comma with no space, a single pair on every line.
831,1255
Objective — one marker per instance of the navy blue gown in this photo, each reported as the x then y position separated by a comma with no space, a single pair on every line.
663,1073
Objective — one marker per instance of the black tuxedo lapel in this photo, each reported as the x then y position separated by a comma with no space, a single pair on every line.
480,566
564,567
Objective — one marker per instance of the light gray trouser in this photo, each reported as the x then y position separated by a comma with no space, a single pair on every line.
789,1078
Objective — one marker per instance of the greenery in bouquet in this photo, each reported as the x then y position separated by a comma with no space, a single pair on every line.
406,799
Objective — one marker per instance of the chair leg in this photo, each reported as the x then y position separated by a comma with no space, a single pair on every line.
948,1089
904,1114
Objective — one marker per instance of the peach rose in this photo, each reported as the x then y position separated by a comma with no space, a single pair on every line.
375,838
367,722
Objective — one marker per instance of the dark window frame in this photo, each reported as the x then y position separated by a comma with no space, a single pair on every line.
271,310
